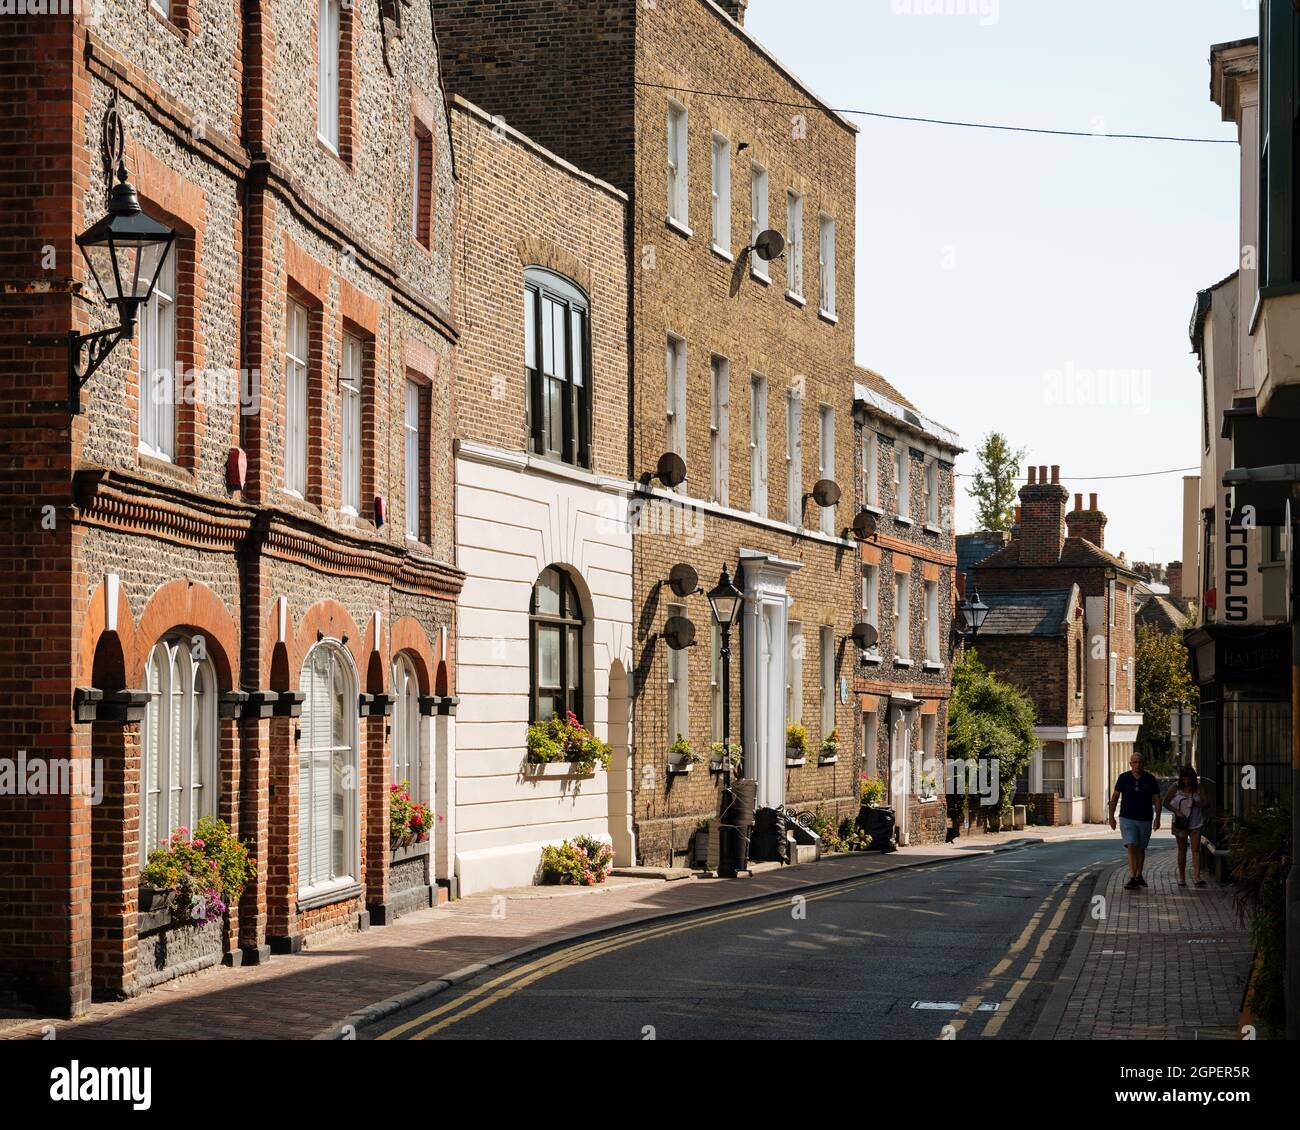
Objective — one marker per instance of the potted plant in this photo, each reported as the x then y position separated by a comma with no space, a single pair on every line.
409,821
829,753
927,786
582,861
871,790
796,744
682,757
720,751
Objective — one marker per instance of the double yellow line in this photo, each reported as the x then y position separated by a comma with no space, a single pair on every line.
500,988
1034,964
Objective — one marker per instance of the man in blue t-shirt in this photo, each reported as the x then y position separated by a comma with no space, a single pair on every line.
1139,815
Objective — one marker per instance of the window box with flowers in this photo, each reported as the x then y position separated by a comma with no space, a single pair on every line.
796,744
719,752
682,758
829,753
186,890
409,823
565,744
582,861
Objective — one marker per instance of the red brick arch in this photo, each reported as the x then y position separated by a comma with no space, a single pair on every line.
93,627
187,604
408,635
332,620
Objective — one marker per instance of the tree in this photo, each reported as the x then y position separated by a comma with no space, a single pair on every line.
991,719
994,485
1162,683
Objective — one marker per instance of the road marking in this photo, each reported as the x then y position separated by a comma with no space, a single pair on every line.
953,1006
506,985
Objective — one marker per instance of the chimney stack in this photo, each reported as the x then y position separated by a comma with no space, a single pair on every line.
1042,518
1088,524
735,9
1174,573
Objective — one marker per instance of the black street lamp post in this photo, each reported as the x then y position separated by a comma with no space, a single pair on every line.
725,601
973,614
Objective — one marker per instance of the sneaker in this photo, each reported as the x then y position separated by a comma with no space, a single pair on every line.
1131,885
1141,882
1199,883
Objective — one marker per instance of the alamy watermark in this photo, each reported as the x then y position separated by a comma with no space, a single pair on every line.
52,776
986,11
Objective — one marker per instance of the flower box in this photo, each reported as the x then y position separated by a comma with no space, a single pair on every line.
154,899
828,759
680,768
546,770
793,761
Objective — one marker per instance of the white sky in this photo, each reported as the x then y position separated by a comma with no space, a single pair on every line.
995,270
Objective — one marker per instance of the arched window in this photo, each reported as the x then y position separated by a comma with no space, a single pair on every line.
327,770
556,638
557,360
406,725
179,742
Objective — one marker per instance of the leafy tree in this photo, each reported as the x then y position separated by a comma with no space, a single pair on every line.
1162,683
989,718
994,486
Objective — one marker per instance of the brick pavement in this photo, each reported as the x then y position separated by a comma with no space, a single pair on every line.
1167,963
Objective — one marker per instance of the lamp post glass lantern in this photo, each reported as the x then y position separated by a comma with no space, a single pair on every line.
973,614
125,251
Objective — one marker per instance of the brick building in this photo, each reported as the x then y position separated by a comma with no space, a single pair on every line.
271,646
542,532
741,367
1061,627
904,480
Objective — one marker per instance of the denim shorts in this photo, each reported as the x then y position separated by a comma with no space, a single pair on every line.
1136,833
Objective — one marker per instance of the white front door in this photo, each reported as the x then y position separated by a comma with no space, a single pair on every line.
763,659
900,770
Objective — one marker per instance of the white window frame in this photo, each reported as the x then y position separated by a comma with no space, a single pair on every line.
870,468
720,428
931,493
178,742
1111,601
675,397
796,646
927,754
930,610
794,457
826,266
826,659
351,384
316,763
1078,785
157,392
678,163
794,244
328,15
902,617
758,216
1113,679
296,368
722,195
758,444
679,684
408,728
826,461
902,481
411,456
871,594
417,160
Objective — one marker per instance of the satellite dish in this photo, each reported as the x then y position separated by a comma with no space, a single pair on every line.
826,493
865,636
684,580
671,470
679,633
864,525
769,245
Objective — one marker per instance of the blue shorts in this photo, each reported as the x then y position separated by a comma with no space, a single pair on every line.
1136,833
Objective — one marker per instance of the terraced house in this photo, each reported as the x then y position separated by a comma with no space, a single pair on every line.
229,589
905,486
741,366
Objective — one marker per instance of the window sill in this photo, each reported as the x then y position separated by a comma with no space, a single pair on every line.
902,521
680,228
161,465
798,299
905,664
759,277
874,509
722,253
931,665
339,891
872,658
932,529
827,316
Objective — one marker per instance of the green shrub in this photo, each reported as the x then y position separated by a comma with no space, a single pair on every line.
583,861
1261,860
567,740
796,739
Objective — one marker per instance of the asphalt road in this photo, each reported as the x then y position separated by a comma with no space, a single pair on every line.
848,963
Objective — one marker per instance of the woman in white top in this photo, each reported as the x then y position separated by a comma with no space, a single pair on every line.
1185,801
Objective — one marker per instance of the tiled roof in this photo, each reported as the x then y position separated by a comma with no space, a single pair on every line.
1077,553
1163,613
878,384
1026,613
974,548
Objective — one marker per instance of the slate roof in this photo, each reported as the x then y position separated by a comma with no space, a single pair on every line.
1040,613
1161,612
976,547
1077,553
